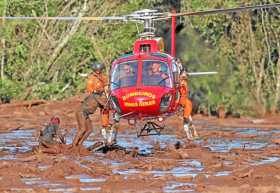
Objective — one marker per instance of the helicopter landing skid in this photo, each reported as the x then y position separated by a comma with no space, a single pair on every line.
148,129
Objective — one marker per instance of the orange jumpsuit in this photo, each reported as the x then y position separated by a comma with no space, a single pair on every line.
96,86
184,100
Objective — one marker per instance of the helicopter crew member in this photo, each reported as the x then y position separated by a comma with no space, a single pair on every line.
127,77
97,90
156,75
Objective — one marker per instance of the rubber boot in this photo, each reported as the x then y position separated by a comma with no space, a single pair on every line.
187,129
104,135
112,137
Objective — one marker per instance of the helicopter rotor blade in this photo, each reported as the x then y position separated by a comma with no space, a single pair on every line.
230,10
70,18
142,15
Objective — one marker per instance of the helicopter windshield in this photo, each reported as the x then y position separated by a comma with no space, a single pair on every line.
124,75
156,73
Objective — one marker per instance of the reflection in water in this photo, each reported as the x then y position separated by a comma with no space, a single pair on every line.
182,187
90,188
222,173
85,178
266,160
225,145
19,141
65,190
188,168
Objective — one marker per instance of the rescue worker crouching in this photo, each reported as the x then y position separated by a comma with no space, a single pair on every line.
97,90
50,139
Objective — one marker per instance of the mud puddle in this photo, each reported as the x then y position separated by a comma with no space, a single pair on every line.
18,141
22,141
225,145
85,183
179,187
244,138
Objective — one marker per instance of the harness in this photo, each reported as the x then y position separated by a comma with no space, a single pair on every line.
95,95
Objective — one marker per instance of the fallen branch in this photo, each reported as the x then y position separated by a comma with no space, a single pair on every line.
16,128
66,38
26,104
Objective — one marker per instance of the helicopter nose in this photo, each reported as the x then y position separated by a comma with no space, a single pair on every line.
139,99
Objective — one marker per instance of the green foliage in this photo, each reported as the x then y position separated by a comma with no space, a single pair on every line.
244,48
10,88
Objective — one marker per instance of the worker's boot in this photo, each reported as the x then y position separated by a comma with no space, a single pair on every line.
104,135
112,137
187,128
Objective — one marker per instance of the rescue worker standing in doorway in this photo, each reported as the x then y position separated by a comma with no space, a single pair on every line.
97,90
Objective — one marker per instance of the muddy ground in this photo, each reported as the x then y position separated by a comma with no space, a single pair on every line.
231,155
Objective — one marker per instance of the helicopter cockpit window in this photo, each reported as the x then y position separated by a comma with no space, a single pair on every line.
124,75
156,73
145,48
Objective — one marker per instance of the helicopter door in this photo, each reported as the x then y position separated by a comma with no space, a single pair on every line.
175,72
176,80
124,75
156,73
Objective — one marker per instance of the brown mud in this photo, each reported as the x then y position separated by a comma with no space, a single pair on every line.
231,155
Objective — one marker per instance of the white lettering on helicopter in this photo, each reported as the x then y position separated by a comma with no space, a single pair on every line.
140,104
139,93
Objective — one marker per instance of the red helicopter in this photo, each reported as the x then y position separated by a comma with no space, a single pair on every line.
145,84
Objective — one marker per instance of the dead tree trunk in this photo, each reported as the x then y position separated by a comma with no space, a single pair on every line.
3,43
66,38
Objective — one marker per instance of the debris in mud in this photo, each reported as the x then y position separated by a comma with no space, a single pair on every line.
244,173
176,164
178,145
5,99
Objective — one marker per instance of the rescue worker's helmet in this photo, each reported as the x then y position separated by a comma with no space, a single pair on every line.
97,66
55,121
184,75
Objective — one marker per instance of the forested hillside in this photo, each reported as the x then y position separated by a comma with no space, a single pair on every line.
46,59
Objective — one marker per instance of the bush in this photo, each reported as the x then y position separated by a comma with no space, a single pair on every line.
9,89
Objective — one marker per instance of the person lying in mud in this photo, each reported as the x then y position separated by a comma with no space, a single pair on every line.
50,139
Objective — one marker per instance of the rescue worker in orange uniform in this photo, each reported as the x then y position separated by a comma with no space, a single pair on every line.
186,103
97,90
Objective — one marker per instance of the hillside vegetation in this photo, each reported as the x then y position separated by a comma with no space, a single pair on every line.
46,59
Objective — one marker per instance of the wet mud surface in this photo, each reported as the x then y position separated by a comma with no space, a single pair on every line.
231,155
